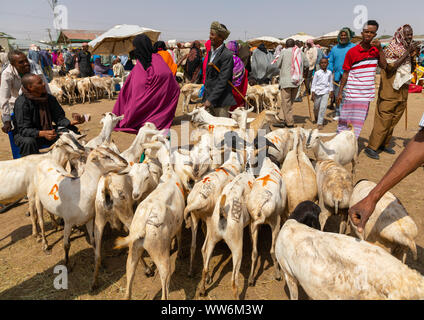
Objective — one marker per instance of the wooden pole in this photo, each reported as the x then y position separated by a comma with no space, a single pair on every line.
230,83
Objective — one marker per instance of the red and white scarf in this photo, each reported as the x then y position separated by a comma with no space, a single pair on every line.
296,71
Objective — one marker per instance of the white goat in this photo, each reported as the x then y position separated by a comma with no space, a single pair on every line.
343,148
73,198
299,174
266,203
109,121
18,175
335,188
332,266
157,220
229,218
201,117
202,199
190,91
390,226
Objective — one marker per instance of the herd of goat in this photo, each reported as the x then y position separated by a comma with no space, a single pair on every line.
230,179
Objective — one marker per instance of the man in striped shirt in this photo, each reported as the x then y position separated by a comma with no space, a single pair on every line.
358,80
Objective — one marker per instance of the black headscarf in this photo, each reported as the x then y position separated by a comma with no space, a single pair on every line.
159,45
262,48
143,50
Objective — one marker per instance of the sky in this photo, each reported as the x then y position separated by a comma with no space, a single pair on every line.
187,20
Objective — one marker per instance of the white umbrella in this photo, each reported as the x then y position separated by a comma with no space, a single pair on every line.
269,42
118,40
301,36
331,39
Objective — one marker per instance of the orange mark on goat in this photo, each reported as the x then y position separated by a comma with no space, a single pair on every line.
250,184
53,192
275,139
131,163
265,180
211,127
180,187
49,169
222,169
206,179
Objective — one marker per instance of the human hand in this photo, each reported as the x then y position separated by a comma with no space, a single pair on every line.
7,126
376,43
77,119
339,98
414,47
361,212
48,134
207,104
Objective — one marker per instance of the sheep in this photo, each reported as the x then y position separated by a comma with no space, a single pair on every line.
190,91
202,199
229,218
157,220
335,187
17,175
299,174
73,198
103,83
332,266
343,148
265,204
56,91
390,226
84,87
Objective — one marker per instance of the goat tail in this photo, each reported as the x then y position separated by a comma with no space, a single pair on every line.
336,206
122,242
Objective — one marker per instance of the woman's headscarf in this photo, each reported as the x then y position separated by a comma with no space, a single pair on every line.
350,34
159,45
143,50
262,48
238,69
398,46
233,46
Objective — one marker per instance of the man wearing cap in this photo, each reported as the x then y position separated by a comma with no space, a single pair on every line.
84,63
218,96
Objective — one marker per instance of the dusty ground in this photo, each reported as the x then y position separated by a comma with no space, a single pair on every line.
28,273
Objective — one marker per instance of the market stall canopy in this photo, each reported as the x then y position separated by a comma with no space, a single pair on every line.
269,42
118,40
77,36
330,39
301,36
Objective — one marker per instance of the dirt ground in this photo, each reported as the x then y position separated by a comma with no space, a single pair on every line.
26,272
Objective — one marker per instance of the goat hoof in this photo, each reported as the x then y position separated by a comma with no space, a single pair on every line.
38,239
47,251
93,286
202,293
251,283
149,273
208,279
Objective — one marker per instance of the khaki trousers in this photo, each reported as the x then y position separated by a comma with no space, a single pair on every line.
387,115
286,109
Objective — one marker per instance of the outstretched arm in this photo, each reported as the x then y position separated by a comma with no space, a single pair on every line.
408,161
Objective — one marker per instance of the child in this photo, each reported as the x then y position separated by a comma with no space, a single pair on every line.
322,89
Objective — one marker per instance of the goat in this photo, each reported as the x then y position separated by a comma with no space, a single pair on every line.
335,187
265,204
189,92
390,226
332,266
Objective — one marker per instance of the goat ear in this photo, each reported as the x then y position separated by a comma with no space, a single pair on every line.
250,110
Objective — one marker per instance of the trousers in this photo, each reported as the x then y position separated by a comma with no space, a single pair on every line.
387,116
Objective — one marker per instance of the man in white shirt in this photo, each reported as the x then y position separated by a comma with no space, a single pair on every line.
10,85
322,89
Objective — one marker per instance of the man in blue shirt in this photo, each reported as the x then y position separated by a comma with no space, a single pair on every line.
336,59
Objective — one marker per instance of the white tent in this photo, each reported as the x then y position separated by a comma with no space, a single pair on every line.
330,38
118,40
269,42
301,36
